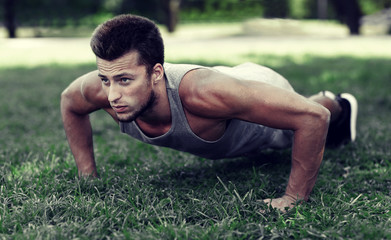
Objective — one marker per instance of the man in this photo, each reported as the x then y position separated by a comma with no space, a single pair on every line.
218,112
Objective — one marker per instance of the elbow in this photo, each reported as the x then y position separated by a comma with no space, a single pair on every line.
320,119
316,119
325,116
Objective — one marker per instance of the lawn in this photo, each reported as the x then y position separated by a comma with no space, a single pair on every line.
147,192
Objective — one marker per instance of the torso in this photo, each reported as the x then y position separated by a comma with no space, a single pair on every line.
206,128
203,122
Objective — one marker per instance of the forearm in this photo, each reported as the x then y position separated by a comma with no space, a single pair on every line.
304,170
79,135
307,155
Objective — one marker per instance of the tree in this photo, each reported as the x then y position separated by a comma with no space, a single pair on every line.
275,8
9,17
322,9
348,12
171,12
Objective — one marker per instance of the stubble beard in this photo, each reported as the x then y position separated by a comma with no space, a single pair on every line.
144,108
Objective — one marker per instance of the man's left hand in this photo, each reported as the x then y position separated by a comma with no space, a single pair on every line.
284,203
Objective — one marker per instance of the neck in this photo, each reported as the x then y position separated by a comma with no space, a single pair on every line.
159,113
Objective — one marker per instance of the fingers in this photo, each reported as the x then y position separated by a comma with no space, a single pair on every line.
283,203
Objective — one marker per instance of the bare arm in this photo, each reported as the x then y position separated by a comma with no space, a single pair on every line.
78,100
214,95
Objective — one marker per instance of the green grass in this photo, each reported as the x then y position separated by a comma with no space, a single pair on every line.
147,192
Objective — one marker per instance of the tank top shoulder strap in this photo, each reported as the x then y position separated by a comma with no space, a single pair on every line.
175,73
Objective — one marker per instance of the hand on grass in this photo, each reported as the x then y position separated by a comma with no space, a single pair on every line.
284,203
88,174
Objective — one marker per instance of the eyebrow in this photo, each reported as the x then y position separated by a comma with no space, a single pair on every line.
118,75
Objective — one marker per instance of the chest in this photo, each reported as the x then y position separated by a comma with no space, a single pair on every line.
205,128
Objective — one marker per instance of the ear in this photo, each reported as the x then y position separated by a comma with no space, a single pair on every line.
157,73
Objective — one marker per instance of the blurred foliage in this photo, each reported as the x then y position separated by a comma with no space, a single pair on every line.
234,10
299,8
216,10
54,13
61,13
372,6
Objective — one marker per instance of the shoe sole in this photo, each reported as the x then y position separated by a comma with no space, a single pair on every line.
353,114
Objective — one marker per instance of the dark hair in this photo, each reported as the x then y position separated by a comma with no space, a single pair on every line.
126,33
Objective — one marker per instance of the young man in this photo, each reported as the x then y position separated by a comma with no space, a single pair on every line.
219,112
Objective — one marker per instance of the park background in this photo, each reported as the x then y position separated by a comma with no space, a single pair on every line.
145,192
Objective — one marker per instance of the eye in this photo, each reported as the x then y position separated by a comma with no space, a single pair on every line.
105,81
125,80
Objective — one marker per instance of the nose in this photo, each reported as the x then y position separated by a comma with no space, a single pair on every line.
113,94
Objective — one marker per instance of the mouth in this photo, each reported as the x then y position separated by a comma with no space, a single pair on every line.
119,108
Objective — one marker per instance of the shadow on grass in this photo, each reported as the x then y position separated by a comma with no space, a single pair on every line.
227,168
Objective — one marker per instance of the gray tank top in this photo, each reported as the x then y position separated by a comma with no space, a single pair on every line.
240,138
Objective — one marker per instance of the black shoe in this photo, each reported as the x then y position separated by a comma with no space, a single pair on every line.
343,129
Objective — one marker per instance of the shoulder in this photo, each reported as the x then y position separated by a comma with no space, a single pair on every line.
86,83
207,92
206,81
91,89
85,94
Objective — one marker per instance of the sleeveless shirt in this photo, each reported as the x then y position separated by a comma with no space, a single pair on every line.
241,138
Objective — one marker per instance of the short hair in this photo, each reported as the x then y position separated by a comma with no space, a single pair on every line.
125,33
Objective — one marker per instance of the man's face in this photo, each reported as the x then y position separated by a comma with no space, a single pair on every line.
127,86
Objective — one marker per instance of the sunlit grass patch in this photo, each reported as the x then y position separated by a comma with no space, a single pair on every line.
229,43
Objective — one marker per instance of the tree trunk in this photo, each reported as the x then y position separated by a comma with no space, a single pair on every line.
171,8
349,12
322,9
9,7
